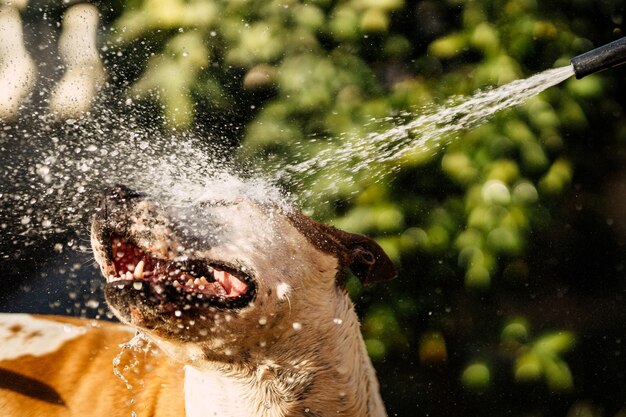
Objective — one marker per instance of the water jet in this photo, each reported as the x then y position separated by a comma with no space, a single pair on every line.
601,58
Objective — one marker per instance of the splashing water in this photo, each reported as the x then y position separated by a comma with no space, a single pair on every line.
376,153
138,344
53,172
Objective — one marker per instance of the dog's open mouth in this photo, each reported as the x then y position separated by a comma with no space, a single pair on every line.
176,281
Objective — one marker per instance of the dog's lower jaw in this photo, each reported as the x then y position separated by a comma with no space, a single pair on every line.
293,382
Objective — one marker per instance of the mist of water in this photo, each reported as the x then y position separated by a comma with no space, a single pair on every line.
53,179
52,172
378,154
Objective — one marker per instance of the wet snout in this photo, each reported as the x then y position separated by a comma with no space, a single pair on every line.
115,199
162,254
121,193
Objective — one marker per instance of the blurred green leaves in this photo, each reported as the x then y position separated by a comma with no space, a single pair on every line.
541,357
172,75
383,331
476,376
533,359
459,221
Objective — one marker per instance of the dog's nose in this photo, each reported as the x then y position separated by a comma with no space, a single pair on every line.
121,193
117,195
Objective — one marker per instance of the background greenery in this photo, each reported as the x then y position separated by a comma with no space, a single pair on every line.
510,241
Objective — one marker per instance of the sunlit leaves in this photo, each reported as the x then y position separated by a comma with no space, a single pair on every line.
172,75
558,177
542,358
476,376
152,15
449,46
539,358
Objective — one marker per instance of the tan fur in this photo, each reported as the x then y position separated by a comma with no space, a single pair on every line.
296,350
77,379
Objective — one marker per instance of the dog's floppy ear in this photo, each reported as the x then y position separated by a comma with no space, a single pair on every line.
365,258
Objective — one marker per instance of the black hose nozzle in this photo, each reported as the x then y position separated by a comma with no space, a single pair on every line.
601,58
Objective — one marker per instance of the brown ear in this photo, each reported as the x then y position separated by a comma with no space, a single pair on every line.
365,258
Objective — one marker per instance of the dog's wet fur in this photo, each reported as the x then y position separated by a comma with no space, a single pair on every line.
245,294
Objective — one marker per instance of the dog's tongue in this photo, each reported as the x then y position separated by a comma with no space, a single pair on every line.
232,285
225,284
131,263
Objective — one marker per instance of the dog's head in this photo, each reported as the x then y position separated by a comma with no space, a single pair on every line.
216,272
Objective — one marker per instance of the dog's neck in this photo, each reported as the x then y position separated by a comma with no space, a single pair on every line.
331,375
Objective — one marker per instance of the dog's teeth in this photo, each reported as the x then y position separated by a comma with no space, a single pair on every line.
138,272
129,275
176,284
200,281
137,285
189,282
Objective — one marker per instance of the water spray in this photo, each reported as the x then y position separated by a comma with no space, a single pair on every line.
601,58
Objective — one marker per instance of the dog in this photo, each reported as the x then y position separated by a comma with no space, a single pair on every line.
242,307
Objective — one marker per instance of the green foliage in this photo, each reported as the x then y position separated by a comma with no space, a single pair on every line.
466,224
541,357
477,376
